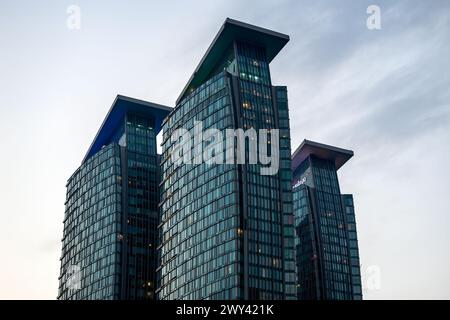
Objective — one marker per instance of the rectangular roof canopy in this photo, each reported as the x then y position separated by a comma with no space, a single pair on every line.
116,114
230,31
321,151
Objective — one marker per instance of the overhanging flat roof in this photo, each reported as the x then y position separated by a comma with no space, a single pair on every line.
321,151
116,114
234,30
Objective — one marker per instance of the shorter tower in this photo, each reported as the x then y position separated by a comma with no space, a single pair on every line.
109,240
326,243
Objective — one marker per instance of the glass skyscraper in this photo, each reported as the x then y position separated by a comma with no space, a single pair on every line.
226,231
110,236
328,266
138,225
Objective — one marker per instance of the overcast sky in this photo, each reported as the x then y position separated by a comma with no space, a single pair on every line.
383,93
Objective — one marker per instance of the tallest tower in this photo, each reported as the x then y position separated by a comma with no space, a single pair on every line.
226,230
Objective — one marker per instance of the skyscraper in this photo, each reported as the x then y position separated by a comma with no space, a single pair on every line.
109,240
142,226
326,243
226,231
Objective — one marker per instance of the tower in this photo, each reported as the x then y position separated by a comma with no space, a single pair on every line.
226,230
326,243
110,236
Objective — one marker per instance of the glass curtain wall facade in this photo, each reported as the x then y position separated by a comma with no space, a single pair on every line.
349,209
90,248
286,196
226,230
109,239
140,215
267,198
139,226
327,262
199,231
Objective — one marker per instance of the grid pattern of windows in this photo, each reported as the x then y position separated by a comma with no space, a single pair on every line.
323,245
269,252
90,245
200,247
110,225
353,245
285,175
140,216
333,237
308,286
227,231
